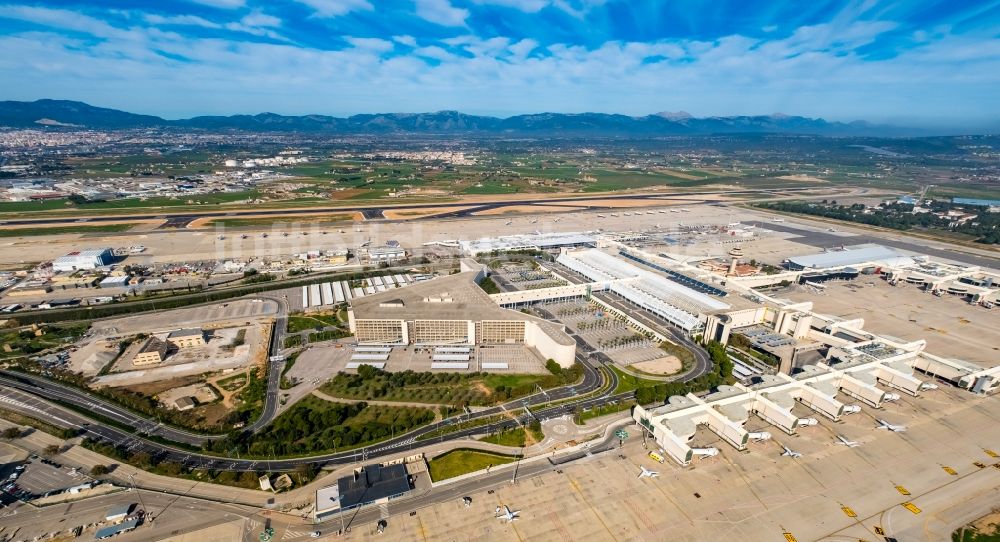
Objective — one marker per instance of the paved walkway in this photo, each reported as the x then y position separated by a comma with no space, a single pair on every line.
333,399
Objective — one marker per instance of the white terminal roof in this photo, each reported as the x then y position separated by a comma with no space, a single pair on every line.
856,255
674,302
526,242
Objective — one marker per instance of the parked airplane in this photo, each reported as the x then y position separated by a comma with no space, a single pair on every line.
846,442
882,424
508,223
646,473
504,513
790,453
533,220
601,216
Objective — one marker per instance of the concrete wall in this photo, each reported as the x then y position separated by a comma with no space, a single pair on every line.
536,337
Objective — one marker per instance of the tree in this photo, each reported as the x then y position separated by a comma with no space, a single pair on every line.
51,450
99,470
11,433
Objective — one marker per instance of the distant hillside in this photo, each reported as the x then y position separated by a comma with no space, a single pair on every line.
58,114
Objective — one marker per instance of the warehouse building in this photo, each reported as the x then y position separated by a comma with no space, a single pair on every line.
84,259
152,352
187,338
453,310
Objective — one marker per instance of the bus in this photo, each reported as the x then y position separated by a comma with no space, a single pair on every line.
656,457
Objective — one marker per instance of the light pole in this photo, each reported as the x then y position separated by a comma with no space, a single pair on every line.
131,477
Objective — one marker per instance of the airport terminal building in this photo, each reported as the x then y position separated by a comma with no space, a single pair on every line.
453,310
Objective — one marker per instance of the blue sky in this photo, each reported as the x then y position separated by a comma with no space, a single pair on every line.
912,62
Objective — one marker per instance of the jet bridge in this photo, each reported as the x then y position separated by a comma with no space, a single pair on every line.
860,390
774,414
894,376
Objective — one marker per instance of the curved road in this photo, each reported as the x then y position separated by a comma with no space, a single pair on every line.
20,393
26,393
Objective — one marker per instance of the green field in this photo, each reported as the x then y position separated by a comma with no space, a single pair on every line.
970,535
491,188
436,388
510,437
461,461
627,382
304,323
59,230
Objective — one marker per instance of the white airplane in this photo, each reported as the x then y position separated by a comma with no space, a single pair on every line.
790,453
882,424
533,220
509,222
600,216
847,442
646,473
504,513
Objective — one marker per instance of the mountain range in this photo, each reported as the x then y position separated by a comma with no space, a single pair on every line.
62,114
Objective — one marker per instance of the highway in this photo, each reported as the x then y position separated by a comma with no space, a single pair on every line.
373,212
25,393
66,406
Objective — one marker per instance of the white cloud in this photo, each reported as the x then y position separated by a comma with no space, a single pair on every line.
527,6
178,20
375,45
817,71
335,8
223,4
441,12
258,18
408,41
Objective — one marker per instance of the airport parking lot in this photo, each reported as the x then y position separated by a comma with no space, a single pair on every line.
231,312
757,494
520,360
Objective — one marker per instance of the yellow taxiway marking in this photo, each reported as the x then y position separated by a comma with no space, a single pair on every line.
991,453
979,464
849,511
902,490
911,507
879,531
576,487
950,470
789,537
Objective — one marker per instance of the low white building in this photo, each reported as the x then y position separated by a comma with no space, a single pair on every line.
84,259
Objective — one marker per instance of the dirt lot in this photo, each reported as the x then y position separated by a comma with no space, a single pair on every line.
216,315
201,392
92,356
952,327
663,366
